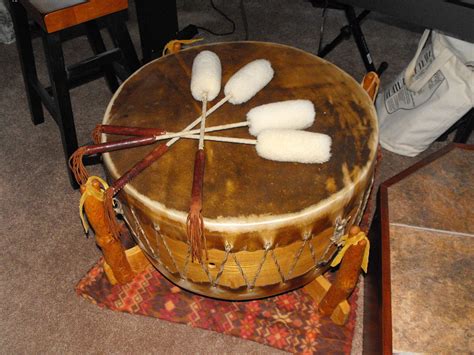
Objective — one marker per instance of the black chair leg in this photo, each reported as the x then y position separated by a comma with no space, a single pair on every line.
119,33
62,101
465,130
98,46
27,60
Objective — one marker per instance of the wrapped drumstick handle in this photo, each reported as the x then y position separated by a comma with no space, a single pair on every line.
157,132
118,185
124,131
121,144
75,161
194,223
151,157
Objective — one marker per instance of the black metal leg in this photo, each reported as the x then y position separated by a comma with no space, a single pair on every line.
62,101
27,60
464,131
353,28
98,46
345,34
359,38
119,33
463,128
158,24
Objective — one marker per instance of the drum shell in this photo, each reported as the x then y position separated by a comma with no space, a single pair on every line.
258,263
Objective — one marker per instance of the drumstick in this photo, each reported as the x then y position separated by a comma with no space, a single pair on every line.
256,74
124,131
194,221
152,135
285,145
290,114
240,88
205,85
235,93
76,159
118,185
144,136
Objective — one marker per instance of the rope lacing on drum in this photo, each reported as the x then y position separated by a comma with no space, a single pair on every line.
283,279
306,238
267,247
363,204
206,271
140,243
156,229
186,262
228,248
240,269
142,236
163,241
313,254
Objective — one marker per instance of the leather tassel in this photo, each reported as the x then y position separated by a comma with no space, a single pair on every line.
194,222
76,163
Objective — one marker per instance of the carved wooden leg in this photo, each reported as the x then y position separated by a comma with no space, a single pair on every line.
112,248
346,279
332,299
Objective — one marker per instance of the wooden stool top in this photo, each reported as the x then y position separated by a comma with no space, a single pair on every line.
56,15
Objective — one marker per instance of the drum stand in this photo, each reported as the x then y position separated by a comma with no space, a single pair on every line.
332,298
353,28
122,265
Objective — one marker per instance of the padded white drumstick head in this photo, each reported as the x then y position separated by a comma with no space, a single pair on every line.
291,114
206,76
294,146
249,80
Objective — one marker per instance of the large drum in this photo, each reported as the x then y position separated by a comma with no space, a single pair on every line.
270,226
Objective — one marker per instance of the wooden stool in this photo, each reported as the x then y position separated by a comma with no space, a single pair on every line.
53,17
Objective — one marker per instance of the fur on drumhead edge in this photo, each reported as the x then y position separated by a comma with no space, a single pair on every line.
206,76
288,145
290,114
248,80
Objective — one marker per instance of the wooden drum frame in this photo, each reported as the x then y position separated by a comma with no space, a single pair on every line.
270,227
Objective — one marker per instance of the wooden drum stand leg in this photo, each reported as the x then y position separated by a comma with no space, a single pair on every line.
332,299
120,266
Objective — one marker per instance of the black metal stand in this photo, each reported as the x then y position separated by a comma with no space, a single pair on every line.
354,29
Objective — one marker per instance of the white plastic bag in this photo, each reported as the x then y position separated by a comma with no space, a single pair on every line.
434,91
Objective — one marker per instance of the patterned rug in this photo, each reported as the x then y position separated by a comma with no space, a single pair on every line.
289,322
